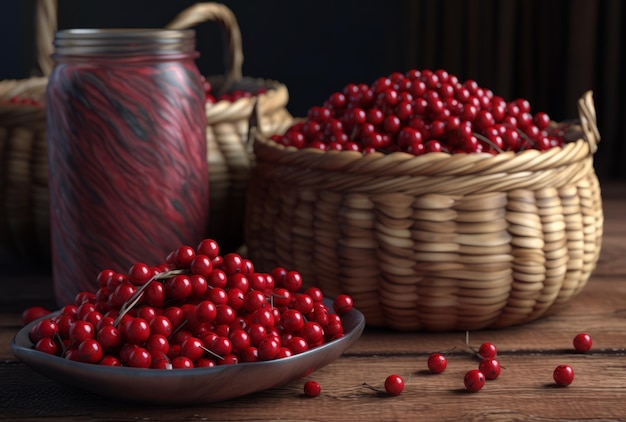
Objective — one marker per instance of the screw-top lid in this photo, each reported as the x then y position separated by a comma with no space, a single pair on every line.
124,41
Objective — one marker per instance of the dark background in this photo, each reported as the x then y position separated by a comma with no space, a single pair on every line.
549,52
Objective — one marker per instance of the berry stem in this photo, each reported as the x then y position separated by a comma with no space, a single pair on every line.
212,353
488,141
134,299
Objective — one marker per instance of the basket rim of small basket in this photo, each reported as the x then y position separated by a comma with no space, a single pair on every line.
224,109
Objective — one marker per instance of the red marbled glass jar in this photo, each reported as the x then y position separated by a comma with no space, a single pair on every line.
127,152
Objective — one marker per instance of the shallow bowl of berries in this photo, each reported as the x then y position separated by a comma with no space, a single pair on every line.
187,386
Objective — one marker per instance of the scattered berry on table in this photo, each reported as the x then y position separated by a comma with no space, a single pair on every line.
474,380
563,375
582,342
394,384
437,363
312,388
487,350
490,367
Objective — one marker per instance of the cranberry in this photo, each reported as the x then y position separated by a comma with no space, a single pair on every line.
312,389
563,375
437,363
582,342
394,384
474,380
342,304
33,313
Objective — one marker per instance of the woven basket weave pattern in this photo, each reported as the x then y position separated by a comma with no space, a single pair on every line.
24,199
436,242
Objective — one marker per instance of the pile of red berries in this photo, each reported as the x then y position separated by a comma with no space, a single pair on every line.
232,96
197,309
19,100
420,112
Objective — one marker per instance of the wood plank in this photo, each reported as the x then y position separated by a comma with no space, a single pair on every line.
524,390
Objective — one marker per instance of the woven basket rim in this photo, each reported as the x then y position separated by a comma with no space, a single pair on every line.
440,163
582,145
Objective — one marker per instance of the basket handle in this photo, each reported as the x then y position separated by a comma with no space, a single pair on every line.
202,12
588,120
45,26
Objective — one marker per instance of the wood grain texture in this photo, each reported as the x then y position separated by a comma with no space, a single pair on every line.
524,391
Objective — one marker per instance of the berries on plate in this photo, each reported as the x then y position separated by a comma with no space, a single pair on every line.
197,308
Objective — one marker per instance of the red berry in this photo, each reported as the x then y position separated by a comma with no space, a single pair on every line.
490,367
193,348
109,360
437,363
268,348
474,380
208,247
292,320
158,345
232,264
179,287
90,351
81,330
201,265
292,281
45,328
582,342
342,304
161,324
563,375
240,340
182,362
487,350
394,384
32,313
109,338
47,345
312,389
297,345
136,330
206,311
139,274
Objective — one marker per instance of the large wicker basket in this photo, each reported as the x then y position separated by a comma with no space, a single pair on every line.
24,197
437,241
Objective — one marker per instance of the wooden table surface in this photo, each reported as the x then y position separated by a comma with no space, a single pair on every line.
524,391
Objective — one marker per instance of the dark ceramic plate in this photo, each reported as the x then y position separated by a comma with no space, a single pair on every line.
186,386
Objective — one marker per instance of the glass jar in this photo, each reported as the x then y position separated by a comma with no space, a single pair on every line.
127,152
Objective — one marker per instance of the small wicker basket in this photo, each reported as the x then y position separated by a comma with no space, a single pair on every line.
230,154
438,241
24,196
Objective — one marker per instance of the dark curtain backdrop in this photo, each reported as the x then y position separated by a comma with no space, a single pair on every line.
548,51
